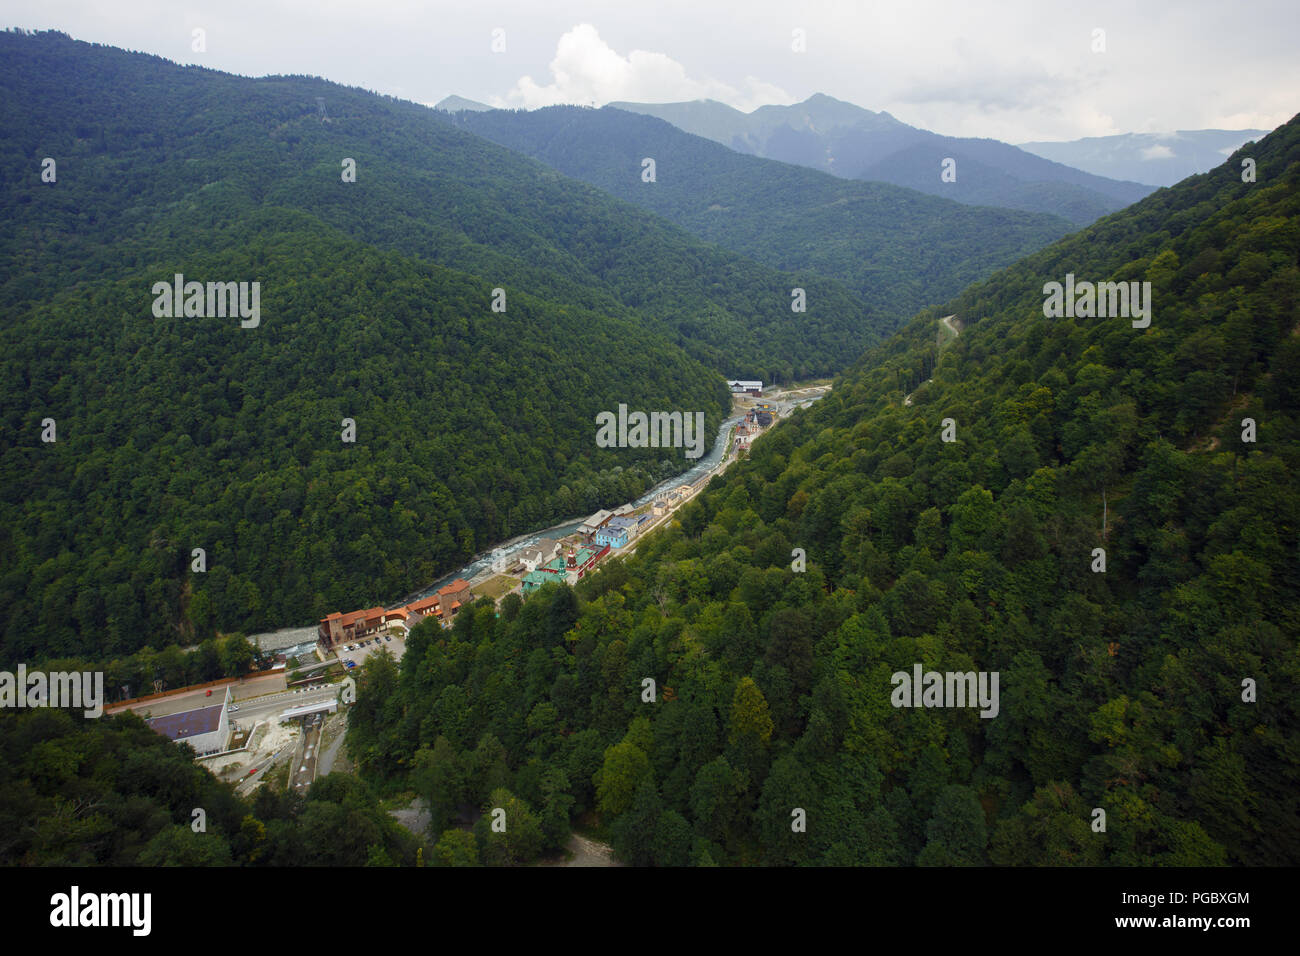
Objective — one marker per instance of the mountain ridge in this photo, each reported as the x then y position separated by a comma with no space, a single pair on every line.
853,142
896,248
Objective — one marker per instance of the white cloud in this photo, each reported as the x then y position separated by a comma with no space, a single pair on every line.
588,70
1156,152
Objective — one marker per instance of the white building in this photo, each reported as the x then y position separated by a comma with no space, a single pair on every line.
534,557
741,385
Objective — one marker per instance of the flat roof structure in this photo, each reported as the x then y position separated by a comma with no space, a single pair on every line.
595,521
188,723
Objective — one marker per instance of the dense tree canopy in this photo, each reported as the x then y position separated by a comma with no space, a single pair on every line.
1114,529
1123,691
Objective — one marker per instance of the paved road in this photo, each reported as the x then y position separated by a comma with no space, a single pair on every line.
273,705
191,700
252,780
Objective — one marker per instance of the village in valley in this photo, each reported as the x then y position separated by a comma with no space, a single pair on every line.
567,558
290,727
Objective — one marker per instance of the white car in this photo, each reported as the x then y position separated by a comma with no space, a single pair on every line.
234,707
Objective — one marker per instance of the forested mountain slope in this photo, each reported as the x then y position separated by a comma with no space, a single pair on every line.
155,158
898,249
177,433
1162,690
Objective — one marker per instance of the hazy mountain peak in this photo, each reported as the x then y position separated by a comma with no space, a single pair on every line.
454,104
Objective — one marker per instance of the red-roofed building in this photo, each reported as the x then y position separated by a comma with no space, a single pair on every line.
421,608
451,597
338,628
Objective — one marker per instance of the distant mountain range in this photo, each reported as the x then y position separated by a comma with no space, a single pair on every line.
855,143
1082,179
1160,159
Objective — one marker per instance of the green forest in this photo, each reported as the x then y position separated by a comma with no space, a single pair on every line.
159,162
689,701
1120,690
377,306
113,792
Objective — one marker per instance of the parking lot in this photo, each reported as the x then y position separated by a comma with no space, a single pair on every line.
357,652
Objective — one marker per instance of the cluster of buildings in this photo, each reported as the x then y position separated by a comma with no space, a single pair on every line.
570,566
542,562
338,628
616,528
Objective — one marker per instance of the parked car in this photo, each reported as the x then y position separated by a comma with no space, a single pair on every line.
388,637
209,693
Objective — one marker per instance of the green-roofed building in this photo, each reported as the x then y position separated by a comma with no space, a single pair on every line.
535,579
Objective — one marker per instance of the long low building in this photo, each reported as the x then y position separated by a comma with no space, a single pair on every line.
206,729
595,522
340,628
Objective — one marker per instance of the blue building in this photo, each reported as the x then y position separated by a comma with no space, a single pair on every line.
614,535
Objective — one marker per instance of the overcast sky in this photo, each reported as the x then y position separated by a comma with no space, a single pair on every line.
1016,71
